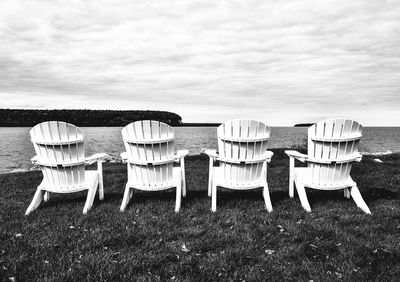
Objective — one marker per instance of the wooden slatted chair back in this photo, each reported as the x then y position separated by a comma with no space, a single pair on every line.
332,140
60,152
150,148
242,147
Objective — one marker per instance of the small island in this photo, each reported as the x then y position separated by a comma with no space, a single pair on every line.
194,124
303,124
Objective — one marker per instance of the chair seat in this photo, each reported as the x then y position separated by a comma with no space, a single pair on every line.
220,181
91,180
304,175
176,179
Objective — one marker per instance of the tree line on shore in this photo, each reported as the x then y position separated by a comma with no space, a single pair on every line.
19,117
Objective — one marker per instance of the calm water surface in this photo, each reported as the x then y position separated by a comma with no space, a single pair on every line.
16,149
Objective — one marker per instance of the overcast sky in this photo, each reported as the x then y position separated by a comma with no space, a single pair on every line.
282,62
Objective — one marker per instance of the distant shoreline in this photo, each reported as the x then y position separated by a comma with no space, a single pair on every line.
84,118
303,124
200,124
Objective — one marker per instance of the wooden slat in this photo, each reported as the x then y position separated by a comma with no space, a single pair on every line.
235,134
56,144
334,139
240,144
150,147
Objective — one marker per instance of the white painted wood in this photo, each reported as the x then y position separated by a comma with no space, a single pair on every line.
46,196
100,179
356,195
332,149
267,198
347,193
291,178
60,153
126,198
37,199
91,193
243,157
183,179
150,159
178,197
303,196
214,197
211,175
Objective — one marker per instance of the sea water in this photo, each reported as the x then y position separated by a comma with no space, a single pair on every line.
16,148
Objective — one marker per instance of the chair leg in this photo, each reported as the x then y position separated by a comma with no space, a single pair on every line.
183,183
210,187
130,194
347,193
291,177
267,198
37,199
125,199
100,175
178,197
355,193
210,176
46,196
214,198
90,199
303,196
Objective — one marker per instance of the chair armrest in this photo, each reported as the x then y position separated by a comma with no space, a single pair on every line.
269,155
34,160
357,157
96,157
294,154
181,154
302,157
211,153
124,157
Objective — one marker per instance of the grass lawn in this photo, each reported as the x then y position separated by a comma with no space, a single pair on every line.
241,241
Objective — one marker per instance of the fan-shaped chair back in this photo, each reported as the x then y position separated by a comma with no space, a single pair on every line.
60,150
332,140
150,148
242,147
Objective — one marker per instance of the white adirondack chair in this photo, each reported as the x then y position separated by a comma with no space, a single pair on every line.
150,160
60,153
332,149
243,157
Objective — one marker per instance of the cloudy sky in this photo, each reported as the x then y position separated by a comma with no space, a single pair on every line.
282,62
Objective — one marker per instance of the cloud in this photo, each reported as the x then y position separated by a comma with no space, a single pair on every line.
279,61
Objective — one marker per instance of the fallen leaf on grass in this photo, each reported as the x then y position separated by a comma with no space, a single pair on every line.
338,275
269,252
184,248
